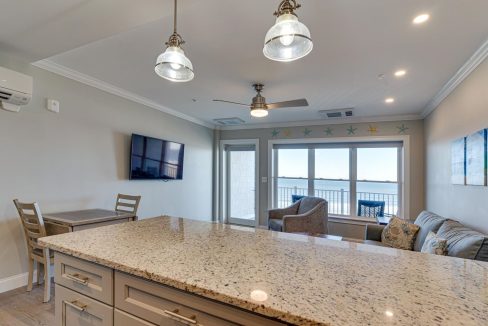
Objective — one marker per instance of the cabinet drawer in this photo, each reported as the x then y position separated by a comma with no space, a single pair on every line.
74,309
122,318
84,277
163,305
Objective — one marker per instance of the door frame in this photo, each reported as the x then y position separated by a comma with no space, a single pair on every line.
223,205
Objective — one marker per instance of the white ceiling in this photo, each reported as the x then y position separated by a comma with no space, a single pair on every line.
354,42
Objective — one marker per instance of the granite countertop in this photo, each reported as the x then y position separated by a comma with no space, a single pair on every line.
295,278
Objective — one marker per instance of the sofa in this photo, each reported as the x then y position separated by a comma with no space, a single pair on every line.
462,241
307,215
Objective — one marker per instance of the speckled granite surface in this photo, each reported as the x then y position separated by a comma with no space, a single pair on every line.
298,279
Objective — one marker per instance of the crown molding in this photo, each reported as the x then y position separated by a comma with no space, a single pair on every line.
323,122
473,62
114,90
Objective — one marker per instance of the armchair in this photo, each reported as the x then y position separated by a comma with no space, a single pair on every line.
309,215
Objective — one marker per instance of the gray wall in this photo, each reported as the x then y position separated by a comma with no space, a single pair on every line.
415,130
79,158
462,113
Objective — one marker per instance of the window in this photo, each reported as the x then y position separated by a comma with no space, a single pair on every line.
332,180
343,174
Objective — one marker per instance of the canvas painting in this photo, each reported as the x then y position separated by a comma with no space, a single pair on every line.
476,158
458,167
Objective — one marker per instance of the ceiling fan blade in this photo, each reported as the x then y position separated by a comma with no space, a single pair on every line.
288,104
231,102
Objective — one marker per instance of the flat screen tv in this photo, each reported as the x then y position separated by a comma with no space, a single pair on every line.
155,159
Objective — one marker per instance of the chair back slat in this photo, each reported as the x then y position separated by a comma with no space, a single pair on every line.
34,245
127,203
32,223
370,208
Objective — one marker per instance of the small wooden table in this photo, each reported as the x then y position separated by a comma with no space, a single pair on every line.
64,222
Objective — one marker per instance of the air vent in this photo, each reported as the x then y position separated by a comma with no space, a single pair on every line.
337,113
229,121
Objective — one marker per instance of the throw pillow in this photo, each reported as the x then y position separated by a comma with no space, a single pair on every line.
399,234
434,244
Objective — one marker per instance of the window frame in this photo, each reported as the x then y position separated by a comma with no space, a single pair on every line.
352,143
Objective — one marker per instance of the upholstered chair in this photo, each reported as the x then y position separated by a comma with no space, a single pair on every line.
308,215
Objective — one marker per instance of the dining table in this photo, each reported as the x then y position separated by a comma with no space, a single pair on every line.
70,221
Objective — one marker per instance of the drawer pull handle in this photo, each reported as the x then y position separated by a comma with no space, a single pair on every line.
182,319
77,278
76,305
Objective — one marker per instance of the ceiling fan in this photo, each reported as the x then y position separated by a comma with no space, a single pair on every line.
259,107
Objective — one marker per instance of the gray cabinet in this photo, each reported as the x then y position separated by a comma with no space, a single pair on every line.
124,319
92,280
91,294
74,309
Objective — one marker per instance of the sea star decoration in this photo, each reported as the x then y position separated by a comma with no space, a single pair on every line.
351,130
373,130
275,133
307,132
287,133
402,129
328,131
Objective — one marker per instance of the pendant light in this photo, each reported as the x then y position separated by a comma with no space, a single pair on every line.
172,64
288,39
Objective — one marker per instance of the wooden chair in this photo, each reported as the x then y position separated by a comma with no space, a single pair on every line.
33,225
127,204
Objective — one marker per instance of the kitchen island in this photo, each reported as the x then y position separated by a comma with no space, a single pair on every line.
258,277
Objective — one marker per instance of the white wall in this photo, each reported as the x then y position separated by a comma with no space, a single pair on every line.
79,158
462,113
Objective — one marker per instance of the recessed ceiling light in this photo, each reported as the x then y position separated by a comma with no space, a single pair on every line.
389,100
389,313
420,19
400,73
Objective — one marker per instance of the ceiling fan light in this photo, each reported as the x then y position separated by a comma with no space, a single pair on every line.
259,113
173,65
287,40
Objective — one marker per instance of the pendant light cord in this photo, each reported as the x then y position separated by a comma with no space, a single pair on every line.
175,17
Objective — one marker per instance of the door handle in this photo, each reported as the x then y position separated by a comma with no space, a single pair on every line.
77,278
76,305
182,319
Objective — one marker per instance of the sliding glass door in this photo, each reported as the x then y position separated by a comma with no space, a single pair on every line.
240,183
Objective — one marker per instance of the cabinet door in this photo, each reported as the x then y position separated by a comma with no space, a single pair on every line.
124,319
166,306
92,280
74,309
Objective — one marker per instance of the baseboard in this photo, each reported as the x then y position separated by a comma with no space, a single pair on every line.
15,282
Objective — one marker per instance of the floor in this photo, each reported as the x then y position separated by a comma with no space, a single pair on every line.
20,308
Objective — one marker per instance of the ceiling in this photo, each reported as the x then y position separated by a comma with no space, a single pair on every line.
354,42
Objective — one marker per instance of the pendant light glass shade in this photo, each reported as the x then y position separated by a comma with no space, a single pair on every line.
288,39
173,65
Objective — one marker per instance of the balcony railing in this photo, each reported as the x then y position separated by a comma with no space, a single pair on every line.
338,200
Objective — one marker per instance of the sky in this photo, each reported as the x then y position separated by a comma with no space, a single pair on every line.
374,164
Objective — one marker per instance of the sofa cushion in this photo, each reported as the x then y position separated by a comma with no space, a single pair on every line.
399,234
434,244
275,224
428,222
464,242
309,203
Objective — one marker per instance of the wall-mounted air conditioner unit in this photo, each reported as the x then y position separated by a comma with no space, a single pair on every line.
15,89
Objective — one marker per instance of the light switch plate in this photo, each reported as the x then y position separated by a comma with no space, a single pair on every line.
53,105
